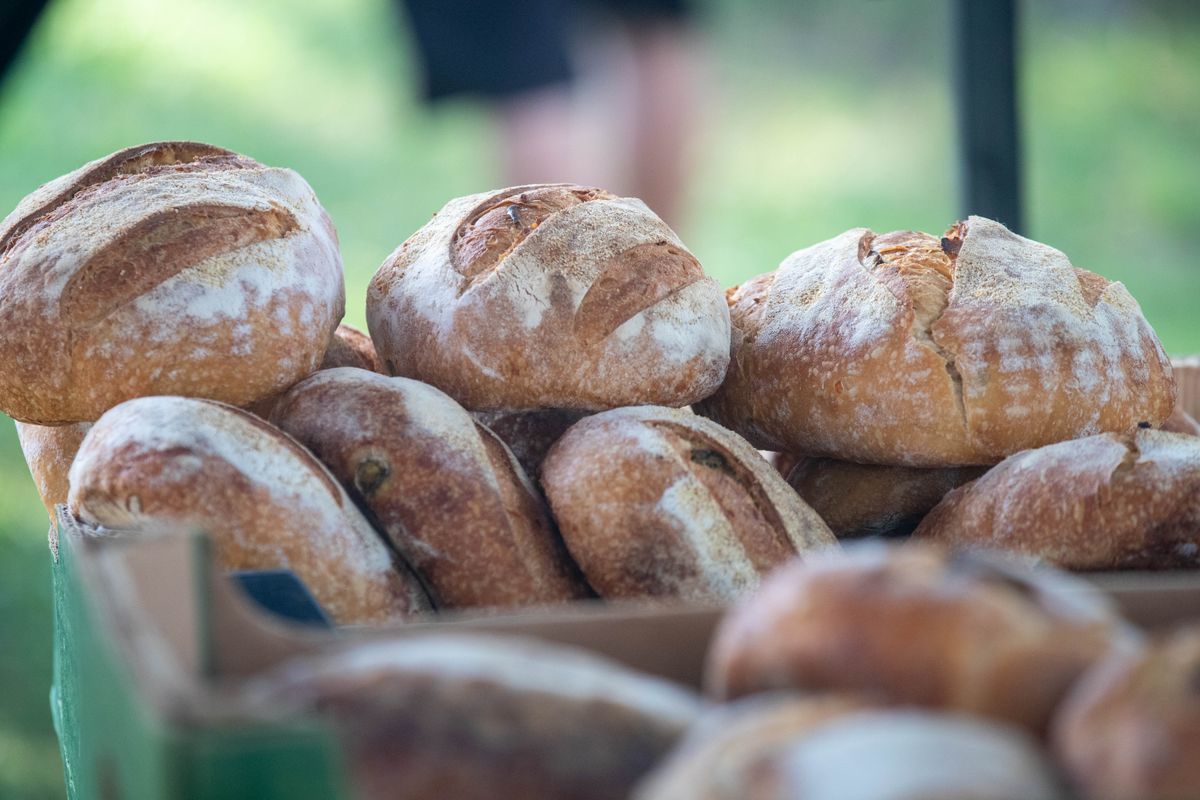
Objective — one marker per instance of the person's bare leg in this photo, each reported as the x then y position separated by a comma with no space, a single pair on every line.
537,141
667,62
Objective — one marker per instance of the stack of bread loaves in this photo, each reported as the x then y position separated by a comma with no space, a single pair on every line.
903,365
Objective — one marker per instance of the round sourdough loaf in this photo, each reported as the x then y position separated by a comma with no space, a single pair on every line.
916,626
907,349
658,502
550,296
1131,728
170,268
732,742
1102,502
858,500
444,489
49,452
433,717
170,463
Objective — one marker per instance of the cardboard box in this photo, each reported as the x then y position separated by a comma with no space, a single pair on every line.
151,643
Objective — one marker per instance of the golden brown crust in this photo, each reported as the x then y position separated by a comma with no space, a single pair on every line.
1102,502
915,626
473,718
530,434
1131,728
172,463
447,493
553,296
101,269
350,347
49,452
903,349
657,502
858,500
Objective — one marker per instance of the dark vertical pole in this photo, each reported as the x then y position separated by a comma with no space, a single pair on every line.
988,124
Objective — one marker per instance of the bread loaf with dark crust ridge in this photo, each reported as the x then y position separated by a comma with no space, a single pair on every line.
170,268
173,463
1131,728
916,626
1098,503
49,452
907,349
448,493
658,502
434,717
550,296
530,434
858,500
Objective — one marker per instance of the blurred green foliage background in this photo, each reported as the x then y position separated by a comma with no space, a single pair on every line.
821,116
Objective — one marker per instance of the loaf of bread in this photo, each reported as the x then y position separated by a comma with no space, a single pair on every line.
858,500
1103,502
448,493
435,717
174,463
1131,729
550,296
49,451
907,349
530,434
889,755
1181,422
915,626
730,743
1187,374
170,268
658,502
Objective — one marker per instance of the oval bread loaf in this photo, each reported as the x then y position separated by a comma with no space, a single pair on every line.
916,626
530,434
1102,502
445,490
49,451
550,296
170,268
658,502
858,500
907,349
476,718
264,502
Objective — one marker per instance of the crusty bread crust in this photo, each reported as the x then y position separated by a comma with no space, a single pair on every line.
1131,728
350,347
551,296
915,626
530,434
1102,502
101,269
658,502
858,500
861,348
49,452
477,718
447,493
170,463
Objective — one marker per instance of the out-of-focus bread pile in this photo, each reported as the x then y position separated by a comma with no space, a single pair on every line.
556,403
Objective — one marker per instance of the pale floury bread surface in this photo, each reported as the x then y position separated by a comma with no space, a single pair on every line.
445,490
658,502
910,625
550,296
1131,729
49,452
172,463
434,717
170,268
907,349
1102,502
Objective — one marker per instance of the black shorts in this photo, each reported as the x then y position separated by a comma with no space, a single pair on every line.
490,49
